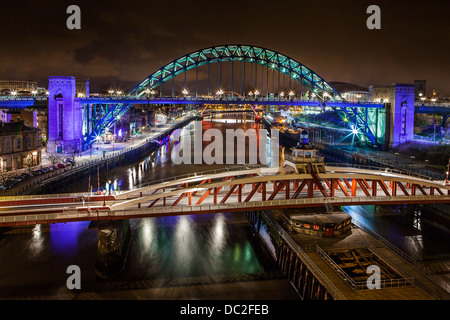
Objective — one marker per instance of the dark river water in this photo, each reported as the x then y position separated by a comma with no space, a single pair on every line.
213,256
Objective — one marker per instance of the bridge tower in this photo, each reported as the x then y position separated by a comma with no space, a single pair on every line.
400,122
65,115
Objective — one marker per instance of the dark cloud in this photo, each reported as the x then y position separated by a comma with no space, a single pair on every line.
125,41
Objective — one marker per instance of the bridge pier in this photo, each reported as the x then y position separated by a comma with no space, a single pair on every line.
114,240
289,258
65,115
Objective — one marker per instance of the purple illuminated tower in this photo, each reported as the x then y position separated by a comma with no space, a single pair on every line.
65,115
402,113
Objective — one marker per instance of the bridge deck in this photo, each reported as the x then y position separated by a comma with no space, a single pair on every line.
422,289
227,191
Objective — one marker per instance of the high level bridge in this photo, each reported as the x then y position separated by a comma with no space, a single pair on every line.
228,190
252,75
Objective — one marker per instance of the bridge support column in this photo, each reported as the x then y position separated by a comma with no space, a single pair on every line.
65,116
400,117
114,239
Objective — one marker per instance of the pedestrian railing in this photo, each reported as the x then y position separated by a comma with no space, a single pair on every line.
409,259
361,285
379,169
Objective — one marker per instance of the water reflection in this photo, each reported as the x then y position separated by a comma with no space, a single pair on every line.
218,237
36,242
158,165
64,237
184,247
403,227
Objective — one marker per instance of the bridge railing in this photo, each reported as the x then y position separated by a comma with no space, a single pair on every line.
361,285
203,173
253,205
408,258
380,169
337,295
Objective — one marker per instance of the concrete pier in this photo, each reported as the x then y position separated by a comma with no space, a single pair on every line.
114,239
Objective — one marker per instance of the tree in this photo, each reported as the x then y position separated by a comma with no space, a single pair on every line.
54,157
72,148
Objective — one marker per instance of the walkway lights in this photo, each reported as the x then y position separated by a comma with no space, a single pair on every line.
282,95
291,94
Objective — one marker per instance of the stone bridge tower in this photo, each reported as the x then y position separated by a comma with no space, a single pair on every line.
65,116
402,114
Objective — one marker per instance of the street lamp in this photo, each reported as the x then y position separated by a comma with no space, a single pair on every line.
291,94
282,94
185,92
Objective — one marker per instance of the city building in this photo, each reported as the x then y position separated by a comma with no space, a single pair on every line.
18,87
420,89
379,93
20,146
351,92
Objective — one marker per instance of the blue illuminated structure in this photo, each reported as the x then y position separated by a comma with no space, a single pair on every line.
310,83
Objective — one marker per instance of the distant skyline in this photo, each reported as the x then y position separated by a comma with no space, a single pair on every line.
122,42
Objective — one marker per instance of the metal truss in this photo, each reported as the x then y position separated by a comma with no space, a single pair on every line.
243,53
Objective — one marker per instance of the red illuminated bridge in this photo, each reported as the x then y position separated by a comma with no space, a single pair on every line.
240,189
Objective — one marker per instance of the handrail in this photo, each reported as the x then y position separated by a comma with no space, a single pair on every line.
375,168
196,174
304,257
408,258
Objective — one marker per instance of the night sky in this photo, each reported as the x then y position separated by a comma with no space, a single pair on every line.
122,42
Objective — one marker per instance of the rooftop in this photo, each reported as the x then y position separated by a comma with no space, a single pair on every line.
7,128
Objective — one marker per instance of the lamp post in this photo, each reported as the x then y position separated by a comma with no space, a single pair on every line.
448,169
291,94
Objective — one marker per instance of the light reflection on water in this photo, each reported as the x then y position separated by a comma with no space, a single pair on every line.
189,246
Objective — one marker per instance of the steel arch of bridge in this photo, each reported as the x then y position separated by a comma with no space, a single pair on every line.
354,118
